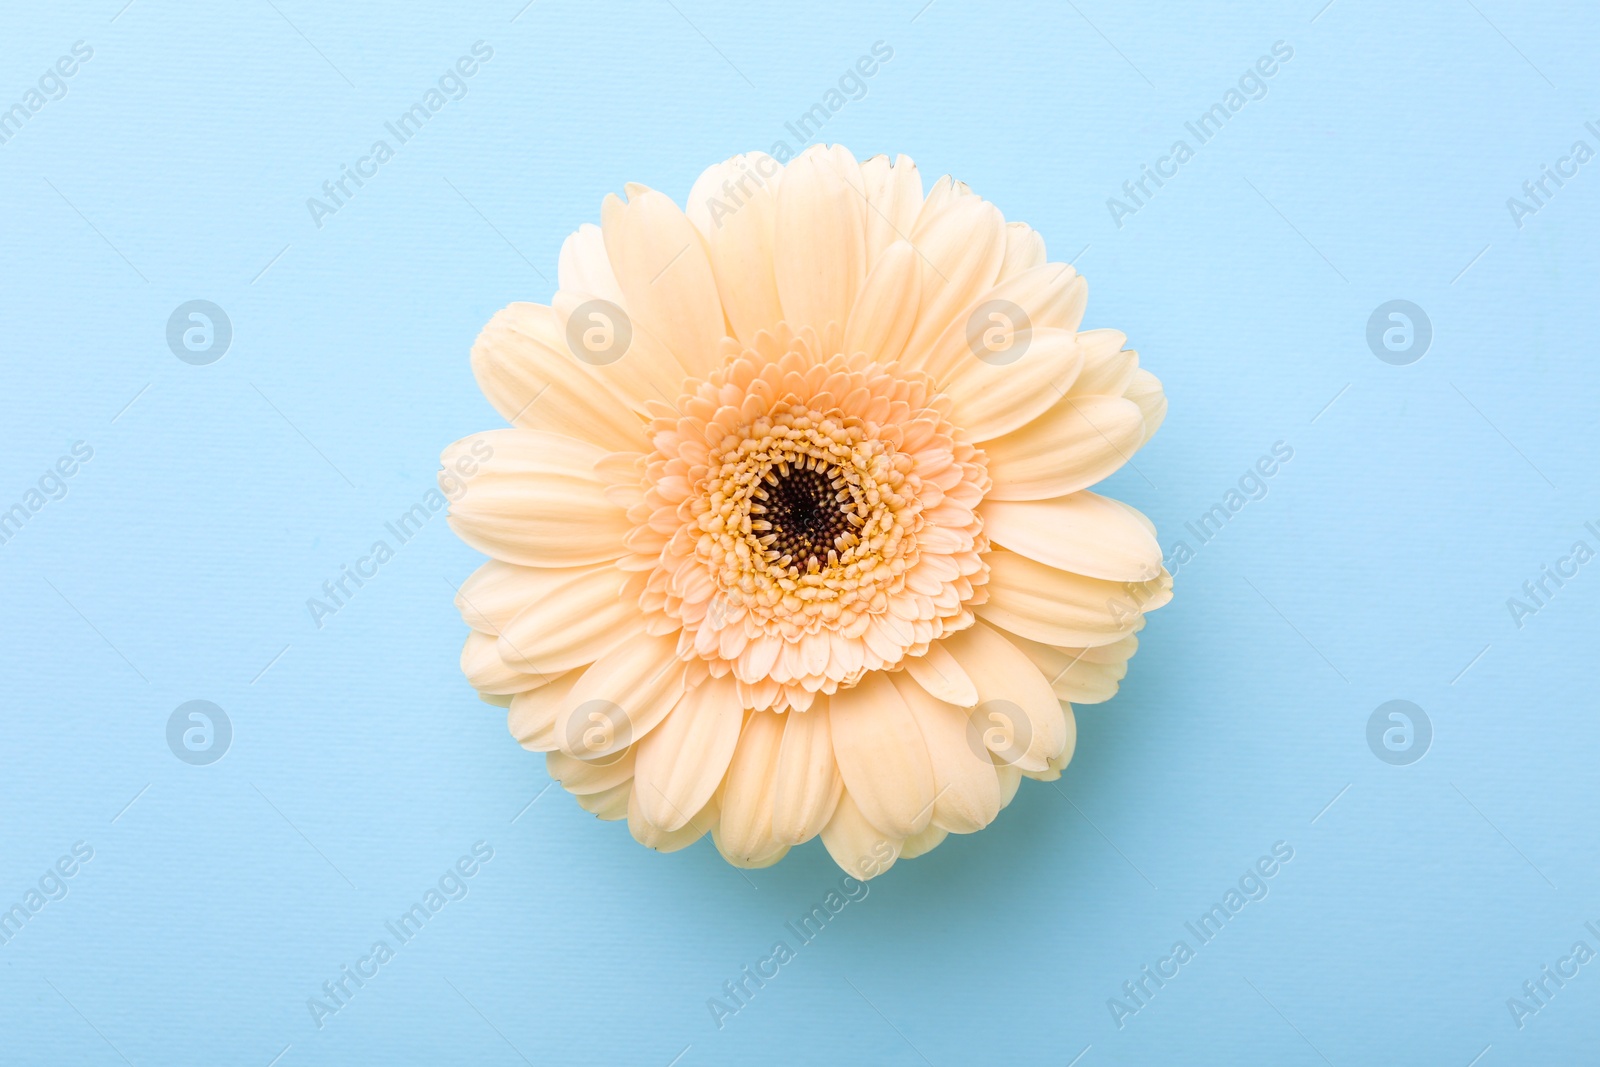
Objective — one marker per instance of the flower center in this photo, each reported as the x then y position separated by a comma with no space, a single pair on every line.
809,521
800,516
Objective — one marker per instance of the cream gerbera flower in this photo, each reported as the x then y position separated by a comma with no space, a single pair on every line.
793,533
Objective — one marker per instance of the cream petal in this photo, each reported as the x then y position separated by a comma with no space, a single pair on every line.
807,778
492,595
623,352
682,761
1081,675
1024,249
881,755
488,673
1145,391
1057,607
666,280
920,844
942,677
1010,779
1077,442
572,615
610,804
745,834
524,367
860,849
621,697
1018,716
584,266
962,246
989,400
747,862
886,312
533,715
894,198
734,206
1084,533
1051,296
819,241
580,777
1108,368
651,836
1055,764
535,500
966,788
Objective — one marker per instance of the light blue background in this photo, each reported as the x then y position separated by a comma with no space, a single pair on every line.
221,497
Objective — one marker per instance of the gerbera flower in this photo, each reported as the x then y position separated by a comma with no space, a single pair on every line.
793,533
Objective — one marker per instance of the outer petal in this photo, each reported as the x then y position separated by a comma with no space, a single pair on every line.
1050,296
858,847
882,757
665,277
894,198
492,595
1083,533
734,206
820,241
633,362
1145,390
963,245
1108,368
989,400
572,615
534,714
941,676
808,783
745,835
581,777
529,497
1024,249
1018,716
1075,443
1057,607
886,312
1010,779
584,266
621,697
488,673
651,836
609,804
921,844
967,790
1081,675
682,761
524,367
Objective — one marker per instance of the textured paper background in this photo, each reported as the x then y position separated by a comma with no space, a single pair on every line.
220,497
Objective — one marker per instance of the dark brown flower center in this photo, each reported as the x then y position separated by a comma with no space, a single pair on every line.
801,513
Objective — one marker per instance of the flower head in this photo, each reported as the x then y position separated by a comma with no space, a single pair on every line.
792,533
